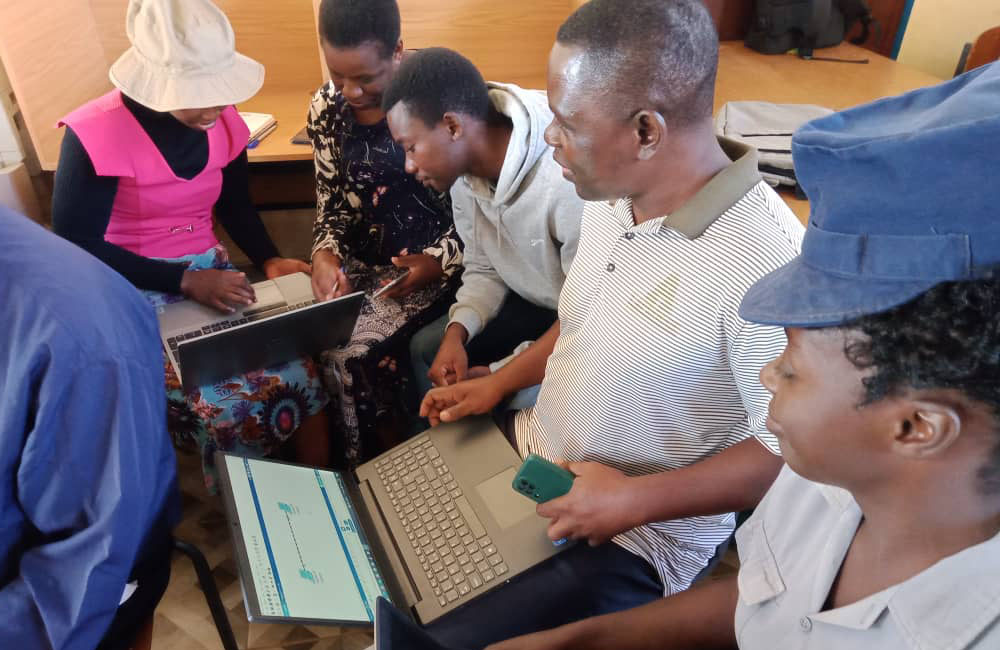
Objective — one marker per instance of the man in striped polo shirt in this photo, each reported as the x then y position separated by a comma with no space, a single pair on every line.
650,381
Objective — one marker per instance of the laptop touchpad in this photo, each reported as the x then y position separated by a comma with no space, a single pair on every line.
507,506
267,293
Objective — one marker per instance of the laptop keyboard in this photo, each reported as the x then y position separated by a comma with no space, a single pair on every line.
247,316
455,553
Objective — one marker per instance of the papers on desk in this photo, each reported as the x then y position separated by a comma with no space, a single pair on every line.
260,125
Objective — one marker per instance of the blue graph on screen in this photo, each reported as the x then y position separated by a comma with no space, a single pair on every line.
306,573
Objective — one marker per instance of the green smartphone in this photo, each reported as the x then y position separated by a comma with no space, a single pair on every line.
541,480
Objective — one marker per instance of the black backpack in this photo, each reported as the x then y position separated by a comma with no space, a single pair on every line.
781,25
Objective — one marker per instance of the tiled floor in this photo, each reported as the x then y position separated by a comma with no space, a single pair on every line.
183,621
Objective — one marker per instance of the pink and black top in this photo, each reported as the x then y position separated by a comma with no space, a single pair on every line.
134,184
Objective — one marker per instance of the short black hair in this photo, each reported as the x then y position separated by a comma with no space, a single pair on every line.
437,80
659,52
946,338
349,23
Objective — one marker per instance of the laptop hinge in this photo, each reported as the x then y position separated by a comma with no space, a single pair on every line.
390,549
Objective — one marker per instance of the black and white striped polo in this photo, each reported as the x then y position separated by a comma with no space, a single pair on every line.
654,369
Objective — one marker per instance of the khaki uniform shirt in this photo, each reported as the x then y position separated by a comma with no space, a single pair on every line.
791,550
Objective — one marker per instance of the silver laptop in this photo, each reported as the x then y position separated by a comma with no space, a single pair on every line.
429,525
285,323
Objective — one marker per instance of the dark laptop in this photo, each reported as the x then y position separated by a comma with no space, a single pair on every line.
286,323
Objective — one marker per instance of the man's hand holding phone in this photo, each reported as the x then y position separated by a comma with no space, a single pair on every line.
542,480
602,502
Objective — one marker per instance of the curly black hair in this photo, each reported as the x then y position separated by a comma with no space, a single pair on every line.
948,337
436,80
349,23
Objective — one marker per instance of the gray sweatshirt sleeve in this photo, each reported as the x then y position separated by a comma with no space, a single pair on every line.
482,292
565,217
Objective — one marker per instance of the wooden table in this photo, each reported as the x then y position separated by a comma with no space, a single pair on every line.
787,79
289,110
743,75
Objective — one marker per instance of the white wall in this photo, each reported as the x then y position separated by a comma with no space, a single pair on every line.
938,29
10,146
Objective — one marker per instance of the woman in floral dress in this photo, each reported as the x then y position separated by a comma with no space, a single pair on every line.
373,222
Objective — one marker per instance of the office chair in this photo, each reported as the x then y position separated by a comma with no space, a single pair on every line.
211,591
985,49
144,637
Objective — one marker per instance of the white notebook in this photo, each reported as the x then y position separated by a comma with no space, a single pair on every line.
260,124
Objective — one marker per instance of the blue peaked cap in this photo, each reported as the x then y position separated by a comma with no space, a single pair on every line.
904,194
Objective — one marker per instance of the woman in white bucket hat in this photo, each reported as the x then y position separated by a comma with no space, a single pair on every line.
141,171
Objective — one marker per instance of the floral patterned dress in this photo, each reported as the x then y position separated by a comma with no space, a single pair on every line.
368,211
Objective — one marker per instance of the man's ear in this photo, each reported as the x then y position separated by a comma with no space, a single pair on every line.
650,131
397,52
926,427
453,122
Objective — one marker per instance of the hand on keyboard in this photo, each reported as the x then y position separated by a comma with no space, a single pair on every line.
222,290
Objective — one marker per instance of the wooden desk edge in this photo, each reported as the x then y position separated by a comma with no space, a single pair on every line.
290,108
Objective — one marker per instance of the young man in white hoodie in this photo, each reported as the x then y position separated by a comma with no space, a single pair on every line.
517,216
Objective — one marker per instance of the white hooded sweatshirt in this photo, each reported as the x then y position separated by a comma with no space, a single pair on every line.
520,236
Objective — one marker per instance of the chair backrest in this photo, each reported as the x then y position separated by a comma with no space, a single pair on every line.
985,50
144,638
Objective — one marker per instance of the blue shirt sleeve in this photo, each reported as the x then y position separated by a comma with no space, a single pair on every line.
95,473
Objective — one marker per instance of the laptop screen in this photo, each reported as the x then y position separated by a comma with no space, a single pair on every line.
304,549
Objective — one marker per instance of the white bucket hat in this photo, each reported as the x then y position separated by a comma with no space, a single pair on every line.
183,55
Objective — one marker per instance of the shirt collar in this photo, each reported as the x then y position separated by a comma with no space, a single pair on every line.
722,192
860,615
837,497
949,604
946,606
719,194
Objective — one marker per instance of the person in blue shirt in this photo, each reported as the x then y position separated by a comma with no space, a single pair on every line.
88,491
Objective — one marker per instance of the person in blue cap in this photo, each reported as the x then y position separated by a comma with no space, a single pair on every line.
883,528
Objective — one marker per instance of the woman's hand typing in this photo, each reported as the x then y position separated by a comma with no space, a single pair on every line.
223,290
